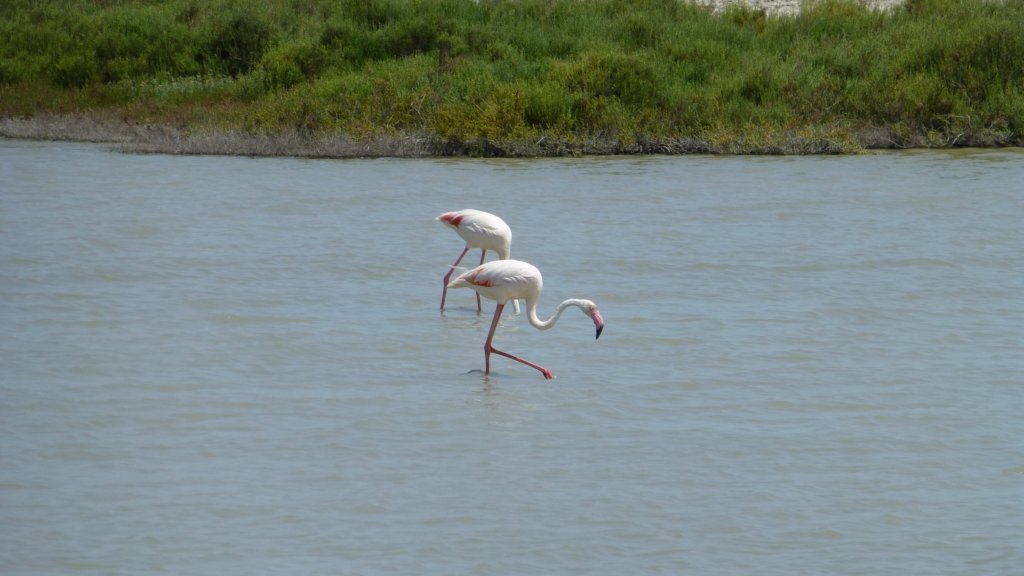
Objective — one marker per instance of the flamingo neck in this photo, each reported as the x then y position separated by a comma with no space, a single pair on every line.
531,312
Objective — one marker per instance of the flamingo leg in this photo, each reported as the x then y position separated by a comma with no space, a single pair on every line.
490,337
488,349
448,276
479,308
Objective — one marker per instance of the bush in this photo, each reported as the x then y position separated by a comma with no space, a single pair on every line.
547,106
136,42
629,78
75,70
293,62
238,42
411,36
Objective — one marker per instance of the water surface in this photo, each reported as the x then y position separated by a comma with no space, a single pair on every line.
217,365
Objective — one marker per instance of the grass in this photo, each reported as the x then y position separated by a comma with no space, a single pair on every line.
522,77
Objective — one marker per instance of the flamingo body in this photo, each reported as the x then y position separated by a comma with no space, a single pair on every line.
504,280
481,230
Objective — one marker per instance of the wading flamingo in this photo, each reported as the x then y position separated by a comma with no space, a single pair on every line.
480,230
504,280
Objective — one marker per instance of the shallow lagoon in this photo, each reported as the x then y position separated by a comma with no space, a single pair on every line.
219,365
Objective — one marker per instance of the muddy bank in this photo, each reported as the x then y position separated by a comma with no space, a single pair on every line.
130,136
133,137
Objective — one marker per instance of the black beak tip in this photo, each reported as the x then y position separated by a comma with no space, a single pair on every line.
599,330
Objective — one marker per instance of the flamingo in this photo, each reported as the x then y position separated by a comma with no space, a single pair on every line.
481,230
504,280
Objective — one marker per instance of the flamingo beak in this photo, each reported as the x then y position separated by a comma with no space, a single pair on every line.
598,323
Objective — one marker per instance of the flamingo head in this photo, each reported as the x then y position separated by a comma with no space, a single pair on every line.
595,315
451,219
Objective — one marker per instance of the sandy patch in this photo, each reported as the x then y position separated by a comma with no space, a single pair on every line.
793,6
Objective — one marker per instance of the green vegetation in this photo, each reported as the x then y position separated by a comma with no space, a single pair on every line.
529,76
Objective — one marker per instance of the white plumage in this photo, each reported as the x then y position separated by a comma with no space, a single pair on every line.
481,230
504,280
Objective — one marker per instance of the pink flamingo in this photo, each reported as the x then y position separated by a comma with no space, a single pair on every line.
504,280
480,230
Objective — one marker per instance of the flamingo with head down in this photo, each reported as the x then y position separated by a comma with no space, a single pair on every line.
481,230
504,280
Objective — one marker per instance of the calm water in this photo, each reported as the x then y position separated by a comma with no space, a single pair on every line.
235,366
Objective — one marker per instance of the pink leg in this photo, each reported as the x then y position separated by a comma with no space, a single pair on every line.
478,307
447,276
488,349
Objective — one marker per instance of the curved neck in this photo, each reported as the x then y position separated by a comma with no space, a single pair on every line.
531,312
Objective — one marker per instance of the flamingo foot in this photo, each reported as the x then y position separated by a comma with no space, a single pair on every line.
547,373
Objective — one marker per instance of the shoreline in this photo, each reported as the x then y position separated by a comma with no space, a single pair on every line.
133,137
